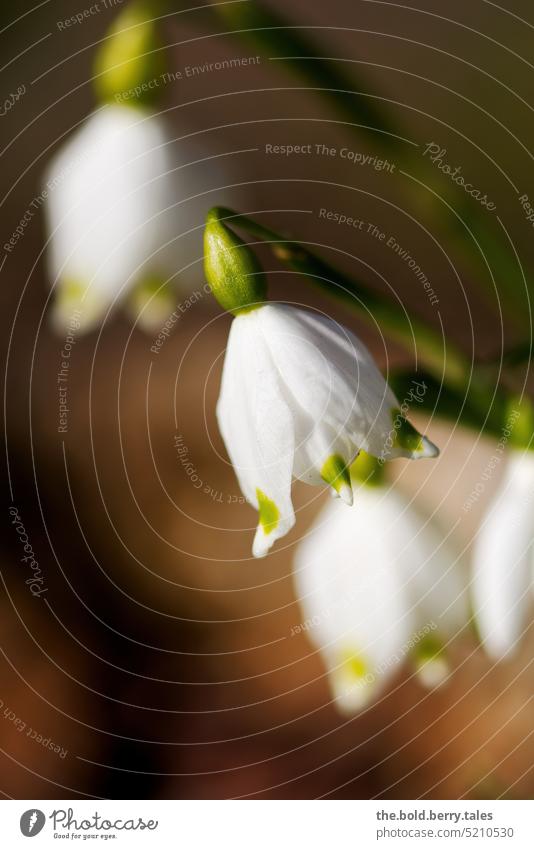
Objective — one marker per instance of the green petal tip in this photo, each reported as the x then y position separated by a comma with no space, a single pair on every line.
336,474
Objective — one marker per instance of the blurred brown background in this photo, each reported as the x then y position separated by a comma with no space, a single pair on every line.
161,659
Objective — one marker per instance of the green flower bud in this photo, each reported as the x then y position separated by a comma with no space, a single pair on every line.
234,274
130,58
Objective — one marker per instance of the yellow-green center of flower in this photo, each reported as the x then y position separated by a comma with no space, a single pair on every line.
269,513
71,292
131,57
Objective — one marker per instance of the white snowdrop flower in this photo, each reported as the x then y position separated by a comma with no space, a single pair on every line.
110,215
300,394
378,586
502,559
435,583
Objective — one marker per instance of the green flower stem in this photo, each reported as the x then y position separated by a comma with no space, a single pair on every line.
455,389
483,406
446,364
272,34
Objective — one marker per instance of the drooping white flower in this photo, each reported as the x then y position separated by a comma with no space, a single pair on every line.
378,586
502,559
111,218
300,397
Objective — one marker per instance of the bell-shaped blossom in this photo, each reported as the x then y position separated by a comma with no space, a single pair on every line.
300,397
111,215
378,585
502,559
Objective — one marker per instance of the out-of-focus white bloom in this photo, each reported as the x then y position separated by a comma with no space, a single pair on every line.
502,559
377,586
300,396
111,218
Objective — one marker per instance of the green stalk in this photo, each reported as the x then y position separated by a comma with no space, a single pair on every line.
485,406
454,389
445,364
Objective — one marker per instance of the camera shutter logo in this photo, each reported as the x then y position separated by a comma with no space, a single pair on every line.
32,822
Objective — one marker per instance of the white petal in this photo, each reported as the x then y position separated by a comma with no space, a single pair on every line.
257,428
108,194
341,400
433,673
77,306
502,557
432,571
354,606
378,580
433,578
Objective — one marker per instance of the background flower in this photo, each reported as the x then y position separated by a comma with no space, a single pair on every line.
380,586
503,558
113,217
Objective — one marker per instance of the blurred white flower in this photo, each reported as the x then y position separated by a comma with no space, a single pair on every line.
502,559
378,585
300,396
110,214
